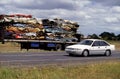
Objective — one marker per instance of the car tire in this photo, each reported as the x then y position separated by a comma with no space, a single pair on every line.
85,53
58,47
71,54
107,53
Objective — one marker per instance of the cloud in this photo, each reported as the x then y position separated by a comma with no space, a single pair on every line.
108,2
41,4
81,3
116,8
111,19
46,4
5,2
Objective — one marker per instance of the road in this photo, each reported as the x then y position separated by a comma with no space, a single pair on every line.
50,58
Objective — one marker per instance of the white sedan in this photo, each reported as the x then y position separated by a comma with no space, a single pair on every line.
90,47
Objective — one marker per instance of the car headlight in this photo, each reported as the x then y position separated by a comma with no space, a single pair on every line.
76,49
73,49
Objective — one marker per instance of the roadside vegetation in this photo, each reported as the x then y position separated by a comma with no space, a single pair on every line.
105,70
116,43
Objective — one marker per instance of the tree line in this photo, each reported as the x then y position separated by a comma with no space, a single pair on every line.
105,36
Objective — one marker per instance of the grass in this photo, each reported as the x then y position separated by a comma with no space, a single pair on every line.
12,47
116,43
106,70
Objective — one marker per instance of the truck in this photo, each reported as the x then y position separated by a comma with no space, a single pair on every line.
36,33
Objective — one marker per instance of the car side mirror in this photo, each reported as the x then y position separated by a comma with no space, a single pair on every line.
94,45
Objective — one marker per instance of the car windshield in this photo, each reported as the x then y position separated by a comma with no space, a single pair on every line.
86,42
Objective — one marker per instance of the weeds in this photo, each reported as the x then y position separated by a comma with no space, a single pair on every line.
109,70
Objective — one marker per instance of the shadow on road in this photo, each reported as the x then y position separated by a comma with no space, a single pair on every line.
87,56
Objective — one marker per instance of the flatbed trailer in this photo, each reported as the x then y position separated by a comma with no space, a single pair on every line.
41,44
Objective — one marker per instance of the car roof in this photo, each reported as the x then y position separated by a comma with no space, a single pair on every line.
95,39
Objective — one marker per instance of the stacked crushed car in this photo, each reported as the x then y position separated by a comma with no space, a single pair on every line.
26,27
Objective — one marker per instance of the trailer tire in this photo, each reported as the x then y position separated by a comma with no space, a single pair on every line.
58,47
67,45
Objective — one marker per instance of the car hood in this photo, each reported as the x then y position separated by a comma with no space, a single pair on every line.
78,46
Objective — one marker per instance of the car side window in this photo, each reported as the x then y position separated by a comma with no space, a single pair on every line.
96,43
103,43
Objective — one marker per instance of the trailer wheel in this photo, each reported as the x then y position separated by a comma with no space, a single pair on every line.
58,47
67,45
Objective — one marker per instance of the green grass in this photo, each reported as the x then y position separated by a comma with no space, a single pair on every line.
106,70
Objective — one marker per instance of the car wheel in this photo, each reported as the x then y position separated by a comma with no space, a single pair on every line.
58,47
107,53
85,53
71,54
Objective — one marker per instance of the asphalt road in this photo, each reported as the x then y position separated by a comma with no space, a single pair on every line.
50,58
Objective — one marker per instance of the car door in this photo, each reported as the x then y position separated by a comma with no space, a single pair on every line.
103,46
96,49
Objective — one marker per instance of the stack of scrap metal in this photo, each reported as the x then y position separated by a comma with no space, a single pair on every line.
26,27
58,29
25,31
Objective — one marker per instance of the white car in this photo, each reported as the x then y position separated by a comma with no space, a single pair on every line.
90,47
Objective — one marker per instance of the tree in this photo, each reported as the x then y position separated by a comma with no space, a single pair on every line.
118,37
93,36
107,36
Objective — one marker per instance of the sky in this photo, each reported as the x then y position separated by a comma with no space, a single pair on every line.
93,16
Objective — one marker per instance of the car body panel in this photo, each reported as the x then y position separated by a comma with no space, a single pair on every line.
98,49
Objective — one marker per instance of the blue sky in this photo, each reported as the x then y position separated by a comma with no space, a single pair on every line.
93,16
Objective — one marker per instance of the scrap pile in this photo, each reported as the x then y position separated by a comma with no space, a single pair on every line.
26,27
